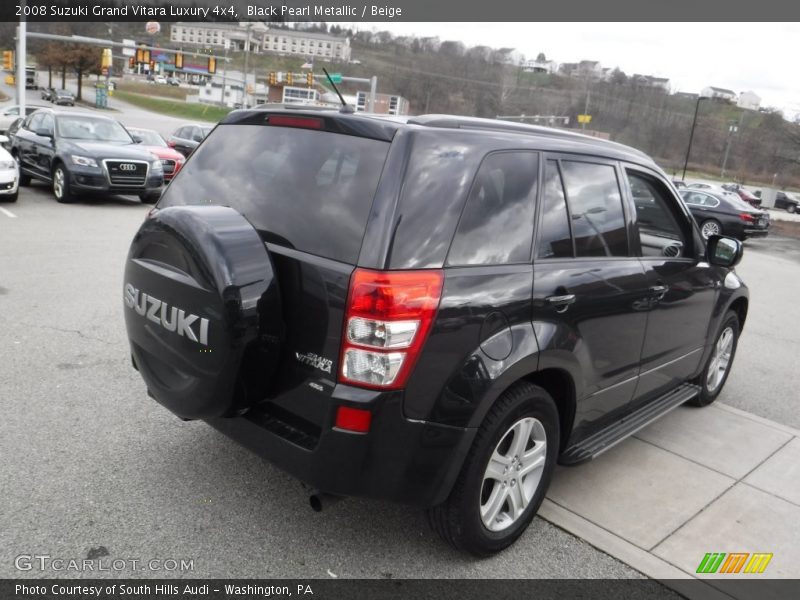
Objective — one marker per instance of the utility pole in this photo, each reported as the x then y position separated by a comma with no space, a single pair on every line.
246,64
586,105
733,128
22,60
224,73
691,136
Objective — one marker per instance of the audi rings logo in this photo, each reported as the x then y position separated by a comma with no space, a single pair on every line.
127,167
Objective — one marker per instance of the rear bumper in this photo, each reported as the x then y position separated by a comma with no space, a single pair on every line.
401,460
750,232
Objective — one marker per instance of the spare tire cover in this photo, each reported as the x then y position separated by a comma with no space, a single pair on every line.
199,294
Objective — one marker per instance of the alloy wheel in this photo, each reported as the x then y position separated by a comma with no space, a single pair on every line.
58,183
710,228
513,474
720,360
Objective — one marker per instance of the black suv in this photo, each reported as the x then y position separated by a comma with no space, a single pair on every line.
84,153
434,310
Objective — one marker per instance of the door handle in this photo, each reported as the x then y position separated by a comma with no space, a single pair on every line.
562,302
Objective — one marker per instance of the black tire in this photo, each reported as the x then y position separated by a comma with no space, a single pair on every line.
458,520
708,225
708,392
61,189
149,198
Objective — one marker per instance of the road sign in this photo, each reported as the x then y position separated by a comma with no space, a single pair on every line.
584,118
336,77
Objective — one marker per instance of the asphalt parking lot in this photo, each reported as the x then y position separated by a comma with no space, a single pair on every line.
92,467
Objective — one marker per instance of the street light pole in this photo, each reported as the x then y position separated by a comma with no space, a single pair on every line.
691,136
246,64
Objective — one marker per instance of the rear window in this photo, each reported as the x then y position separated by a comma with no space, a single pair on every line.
308,190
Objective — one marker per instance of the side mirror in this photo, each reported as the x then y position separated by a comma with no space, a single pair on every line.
136,139
44,133
724,251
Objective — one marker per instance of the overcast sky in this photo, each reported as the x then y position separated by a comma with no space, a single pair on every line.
762,57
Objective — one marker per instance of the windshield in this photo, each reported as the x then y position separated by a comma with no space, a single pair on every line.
149,137
79,127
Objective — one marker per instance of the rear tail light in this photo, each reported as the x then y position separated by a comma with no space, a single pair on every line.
389,315
171,143
747,217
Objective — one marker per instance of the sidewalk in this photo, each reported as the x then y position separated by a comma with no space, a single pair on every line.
715,479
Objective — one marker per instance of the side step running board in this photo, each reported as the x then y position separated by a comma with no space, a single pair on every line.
612,435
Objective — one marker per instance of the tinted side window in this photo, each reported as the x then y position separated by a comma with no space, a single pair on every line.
181,133
35,122
659,231
595,204
555,240
47,123
496,226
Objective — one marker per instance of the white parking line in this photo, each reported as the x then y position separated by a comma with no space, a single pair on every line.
8,213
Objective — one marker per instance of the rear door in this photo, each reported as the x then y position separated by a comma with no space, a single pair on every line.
308,193
682,289
589,291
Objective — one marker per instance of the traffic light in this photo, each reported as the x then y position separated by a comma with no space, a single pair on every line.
310,79
179,60
131,63
273,78
289,78
142,55
8,60
106,60
212,65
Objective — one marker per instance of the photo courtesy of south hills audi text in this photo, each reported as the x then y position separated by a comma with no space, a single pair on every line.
162,590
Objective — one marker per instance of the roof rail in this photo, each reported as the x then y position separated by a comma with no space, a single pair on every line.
458,122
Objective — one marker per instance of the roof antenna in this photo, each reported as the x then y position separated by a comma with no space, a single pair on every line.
346,108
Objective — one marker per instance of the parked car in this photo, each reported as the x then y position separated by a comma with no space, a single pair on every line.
787,201
173,81
187,137
10,133
749,197
714,188
47,93
171,160
160,79
717,214
63,97
679,183
84,153
11,114
9,174
433,310
743,193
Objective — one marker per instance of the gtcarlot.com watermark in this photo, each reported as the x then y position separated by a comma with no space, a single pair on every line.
45,562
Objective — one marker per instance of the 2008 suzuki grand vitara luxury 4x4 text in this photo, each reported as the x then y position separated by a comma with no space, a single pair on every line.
433,310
